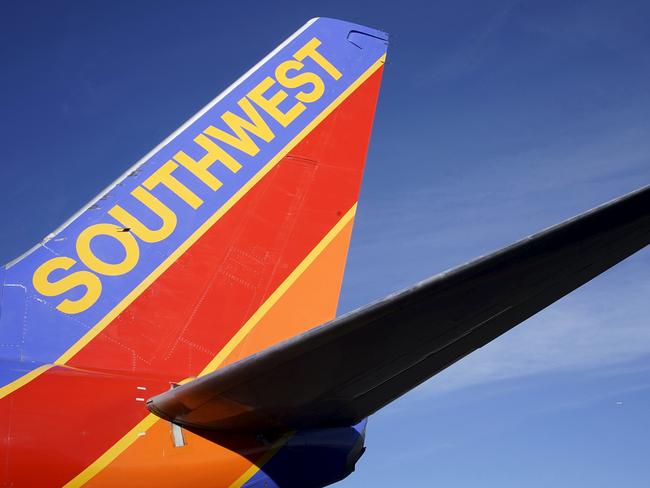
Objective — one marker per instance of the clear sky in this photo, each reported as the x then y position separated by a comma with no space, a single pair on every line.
496,119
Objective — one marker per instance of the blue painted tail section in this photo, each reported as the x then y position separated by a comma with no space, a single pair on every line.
69,287
313,459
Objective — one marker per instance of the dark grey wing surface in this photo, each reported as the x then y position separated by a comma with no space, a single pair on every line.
346,369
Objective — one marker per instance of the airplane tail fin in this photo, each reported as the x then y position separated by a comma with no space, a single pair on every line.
228,237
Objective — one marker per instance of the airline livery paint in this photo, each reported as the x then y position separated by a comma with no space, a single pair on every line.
227,238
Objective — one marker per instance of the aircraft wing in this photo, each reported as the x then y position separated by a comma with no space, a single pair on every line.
346,369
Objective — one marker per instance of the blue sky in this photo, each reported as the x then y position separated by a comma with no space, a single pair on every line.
496,119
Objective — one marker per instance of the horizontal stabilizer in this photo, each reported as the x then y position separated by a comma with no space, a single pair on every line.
344,370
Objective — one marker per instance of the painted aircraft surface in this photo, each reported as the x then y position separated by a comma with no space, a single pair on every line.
180,329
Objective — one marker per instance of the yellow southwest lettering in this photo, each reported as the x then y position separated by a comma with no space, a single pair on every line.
128,242
241,127
167,216
163,176
309,51
270,105
300,80
242,131
48,288
200,168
